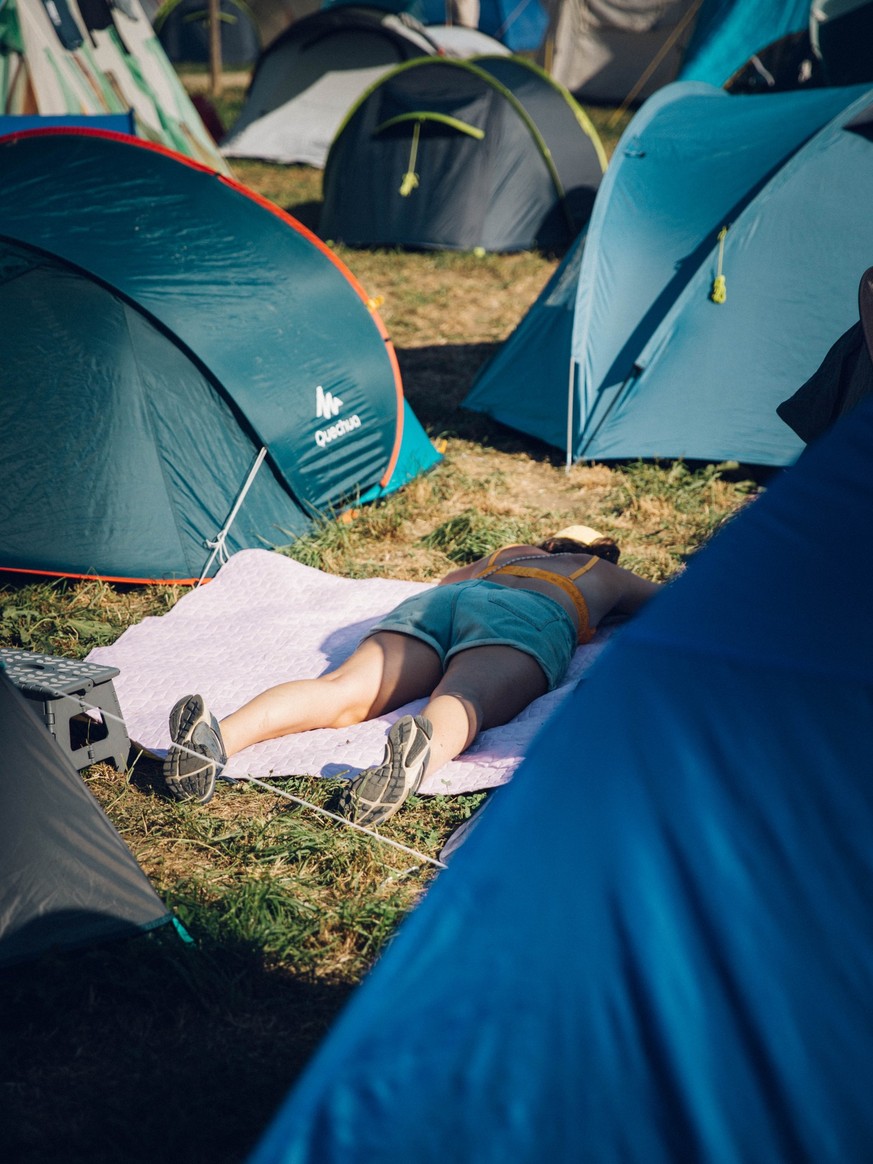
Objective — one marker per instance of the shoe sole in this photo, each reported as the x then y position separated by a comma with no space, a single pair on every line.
376,795
181,767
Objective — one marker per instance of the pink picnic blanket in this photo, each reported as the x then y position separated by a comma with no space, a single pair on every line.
265,619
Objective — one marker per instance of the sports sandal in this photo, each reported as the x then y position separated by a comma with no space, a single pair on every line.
377,793
196,755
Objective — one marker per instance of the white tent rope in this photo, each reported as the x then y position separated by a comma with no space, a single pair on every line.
508,22
422,857
218,544
669,42
342,820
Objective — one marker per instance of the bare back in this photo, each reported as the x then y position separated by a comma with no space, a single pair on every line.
605,588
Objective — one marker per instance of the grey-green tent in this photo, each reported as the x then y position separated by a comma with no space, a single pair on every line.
67,879
488,153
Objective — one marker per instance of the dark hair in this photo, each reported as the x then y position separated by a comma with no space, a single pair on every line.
600,547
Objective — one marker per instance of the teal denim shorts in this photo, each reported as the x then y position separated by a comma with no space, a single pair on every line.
477,613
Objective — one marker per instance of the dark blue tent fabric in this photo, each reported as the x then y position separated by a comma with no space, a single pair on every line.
656,367
161,324
657,946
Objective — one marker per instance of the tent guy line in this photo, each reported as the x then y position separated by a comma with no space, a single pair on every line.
218,544
422,857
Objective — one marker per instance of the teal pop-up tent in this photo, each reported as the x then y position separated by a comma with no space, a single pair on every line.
727,32
719,263
656,945
161,326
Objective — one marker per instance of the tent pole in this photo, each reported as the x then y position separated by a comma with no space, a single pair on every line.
218,544
569,462
215,82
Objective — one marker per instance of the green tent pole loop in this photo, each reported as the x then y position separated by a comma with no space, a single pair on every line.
718,294
410,178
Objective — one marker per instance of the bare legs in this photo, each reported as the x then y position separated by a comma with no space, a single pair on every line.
384,672
482,687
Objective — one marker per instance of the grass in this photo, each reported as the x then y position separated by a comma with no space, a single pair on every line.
160,1049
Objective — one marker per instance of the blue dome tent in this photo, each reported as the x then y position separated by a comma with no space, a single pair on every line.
161,326
630,351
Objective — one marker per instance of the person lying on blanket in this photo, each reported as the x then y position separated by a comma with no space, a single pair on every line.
480,646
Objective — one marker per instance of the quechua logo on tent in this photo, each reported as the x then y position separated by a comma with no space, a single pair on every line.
328,406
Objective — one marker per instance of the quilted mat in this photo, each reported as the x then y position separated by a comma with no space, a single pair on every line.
265,619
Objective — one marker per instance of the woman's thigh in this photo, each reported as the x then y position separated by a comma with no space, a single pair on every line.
392,669
500,681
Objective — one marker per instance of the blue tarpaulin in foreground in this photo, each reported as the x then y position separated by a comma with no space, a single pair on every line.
657,946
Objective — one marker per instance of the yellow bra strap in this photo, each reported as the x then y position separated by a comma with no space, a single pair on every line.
585,568
563,583
493,559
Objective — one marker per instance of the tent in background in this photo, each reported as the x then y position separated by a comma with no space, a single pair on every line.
273,16
487,153
518,24
844,379
160,328
66,58
68,878
656,944
833,49
609,51
182,27
787,63
629,351
269,17
307,80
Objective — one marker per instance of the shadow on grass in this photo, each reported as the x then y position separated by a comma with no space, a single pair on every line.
306,213
152,1049
437,379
